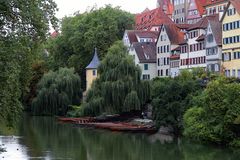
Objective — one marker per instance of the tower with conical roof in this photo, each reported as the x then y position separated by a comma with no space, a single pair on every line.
91,70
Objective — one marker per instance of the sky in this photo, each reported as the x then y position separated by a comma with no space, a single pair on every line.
69,7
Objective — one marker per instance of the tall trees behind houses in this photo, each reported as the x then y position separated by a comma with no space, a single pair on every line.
80,34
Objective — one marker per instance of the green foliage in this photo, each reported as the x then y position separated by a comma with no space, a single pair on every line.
132,102
56,91
118,88
171,98
23,26
38,70
80,34
216,117
10,105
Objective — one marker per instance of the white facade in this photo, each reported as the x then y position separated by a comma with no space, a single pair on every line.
149,70
194,53
213,52
126,40
163,54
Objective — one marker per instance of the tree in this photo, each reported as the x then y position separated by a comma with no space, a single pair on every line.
216,114
171,98
118,89
23,26
56,92
81,33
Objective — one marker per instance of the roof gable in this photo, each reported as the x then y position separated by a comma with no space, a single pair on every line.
236,5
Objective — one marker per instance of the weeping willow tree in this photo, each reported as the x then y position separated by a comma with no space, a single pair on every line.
118,89
56,92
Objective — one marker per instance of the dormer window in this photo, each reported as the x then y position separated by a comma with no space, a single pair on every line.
146,56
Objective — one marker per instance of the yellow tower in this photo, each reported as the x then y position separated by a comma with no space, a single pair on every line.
91,70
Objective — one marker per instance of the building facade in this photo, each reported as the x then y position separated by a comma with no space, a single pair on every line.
169,38
144,56
215,7
231,39
180,11
195,11
213,41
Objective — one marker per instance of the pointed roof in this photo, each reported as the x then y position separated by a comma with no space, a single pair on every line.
216,28
95,61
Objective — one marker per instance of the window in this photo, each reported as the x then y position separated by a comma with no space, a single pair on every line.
238,73
94,72
227,73
146,76
210,38
233,73
217,68
161,73
145,66
166,72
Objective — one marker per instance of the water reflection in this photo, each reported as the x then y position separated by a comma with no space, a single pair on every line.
43,138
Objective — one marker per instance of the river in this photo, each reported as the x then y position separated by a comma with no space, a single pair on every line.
43,138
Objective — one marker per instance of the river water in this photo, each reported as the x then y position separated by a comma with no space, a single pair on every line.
43,138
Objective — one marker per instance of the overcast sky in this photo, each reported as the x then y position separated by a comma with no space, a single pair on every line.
68,7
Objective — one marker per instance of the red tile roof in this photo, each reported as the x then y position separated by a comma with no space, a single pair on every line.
174,34
148,19
213,2
203,23
175,57
183,25
200,5
132,35
201,38
146,52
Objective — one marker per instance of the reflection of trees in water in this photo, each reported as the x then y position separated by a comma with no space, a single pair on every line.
196,151
109,146
43,134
